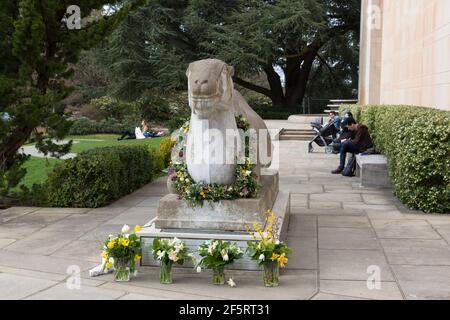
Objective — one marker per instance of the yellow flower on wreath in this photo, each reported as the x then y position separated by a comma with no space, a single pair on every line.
137,228
111,244
137,257
104,255
124,242
108,264
203,195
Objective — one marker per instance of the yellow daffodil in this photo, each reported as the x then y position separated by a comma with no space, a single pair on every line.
108,264
124,242
111,244
137,228
104,255
137,257
202,194
282,260
274,256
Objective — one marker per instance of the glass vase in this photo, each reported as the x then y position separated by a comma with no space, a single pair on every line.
218,276
165,272
271,274
121,270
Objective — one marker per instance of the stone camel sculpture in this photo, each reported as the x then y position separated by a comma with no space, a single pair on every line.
214,104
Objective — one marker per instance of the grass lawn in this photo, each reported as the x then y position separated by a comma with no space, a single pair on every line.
107,141
39,168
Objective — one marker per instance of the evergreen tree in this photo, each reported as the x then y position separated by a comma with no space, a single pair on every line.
37,52
252,35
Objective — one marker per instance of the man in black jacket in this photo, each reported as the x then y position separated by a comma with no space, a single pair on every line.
360,143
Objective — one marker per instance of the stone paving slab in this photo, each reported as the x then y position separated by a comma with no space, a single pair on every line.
33,274
359,289
15,287
41,218
11,230
347,238
352,264
154,294
61,292
77,222
327,211
302,226
6,242
63,210
15,212
343,222
294,284
304,255
354,227
41,263
44,242
417,252
424,282
88,250
327,296
101,232
416,229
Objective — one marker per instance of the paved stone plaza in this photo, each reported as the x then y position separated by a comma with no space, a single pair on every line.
337,230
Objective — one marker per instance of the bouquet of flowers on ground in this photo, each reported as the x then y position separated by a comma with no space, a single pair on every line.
215,255
122,252
267,250
168,252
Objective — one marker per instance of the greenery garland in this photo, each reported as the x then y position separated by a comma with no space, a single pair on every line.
245,184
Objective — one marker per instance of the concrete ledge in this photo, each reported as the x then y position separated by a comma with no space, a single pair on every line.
194,237
372,170
228,215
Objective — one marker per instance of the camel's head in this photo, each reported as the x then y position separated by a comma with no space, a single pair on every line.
210,87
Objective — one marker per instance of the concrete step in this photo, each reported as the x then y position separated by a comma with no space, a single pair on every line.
295,137
295,133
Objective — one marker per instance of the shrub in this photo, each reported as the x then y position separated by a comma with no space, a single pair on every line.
98,176
163,153
176,123
416,142
84,125
115,108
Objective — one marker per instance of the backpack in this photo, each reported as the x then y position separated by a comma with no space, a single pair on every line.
350,168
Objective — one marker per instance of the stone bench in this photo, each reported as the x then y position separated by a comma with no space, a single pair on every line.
372,170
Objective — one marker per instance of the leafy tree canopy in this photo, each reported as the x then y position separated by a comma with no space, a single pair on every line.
299,39
37,52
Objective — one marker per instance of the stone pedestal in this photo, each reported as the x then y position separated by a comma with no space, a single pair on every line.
194,237
226,215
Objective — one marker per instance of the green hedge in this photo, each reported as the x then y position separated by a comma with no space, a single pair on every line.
97,177
85,125
416,142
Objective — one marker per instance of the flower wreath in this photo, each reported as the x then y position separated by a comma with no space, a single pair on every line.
245,184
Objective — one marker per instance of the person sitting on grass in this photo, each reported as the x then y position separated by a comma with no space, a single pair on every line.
141,132
360,143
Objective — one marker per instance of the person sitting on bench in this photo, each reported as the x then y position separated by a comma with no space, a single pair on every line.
360,143
336,120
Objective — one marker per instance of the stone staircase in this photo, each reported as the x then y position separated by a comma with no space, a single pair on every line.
296,134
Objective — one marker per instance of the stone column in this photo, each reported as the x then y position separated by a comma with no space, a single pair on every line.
370,51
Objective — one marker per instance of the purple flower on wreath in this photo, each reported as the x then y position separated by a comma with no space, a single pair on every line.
245,191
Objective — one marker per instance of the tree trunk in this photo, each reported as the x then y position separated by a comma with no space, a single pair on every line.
297,80
276,89
12,144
